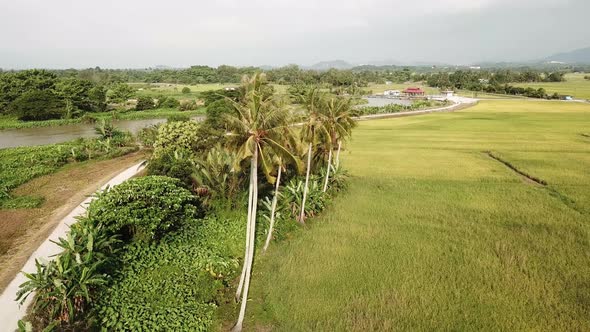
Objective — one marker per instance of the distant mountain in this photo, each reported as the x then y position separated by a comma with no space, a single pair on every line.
579,56
336,64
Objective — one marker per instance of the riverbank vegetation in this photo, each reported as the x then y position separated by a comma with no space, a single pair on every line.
36,98
416,105
432,226
20,165
168,257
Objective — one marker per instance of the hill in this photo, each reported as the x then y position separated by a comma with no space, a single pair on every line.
580,56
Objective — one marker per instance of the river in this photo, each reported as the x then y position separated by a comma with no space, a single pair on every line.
10,138
377,101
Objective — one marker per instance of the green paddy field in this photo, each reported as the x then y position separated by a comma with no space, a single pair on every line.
435,234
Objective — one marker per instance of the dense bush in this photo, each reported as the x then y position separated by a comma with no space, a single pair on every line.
175,284
144,208
188,105
147,135
216,111
144,103
169,103
395,108
176,164
178,117
176,135
37,106
186,90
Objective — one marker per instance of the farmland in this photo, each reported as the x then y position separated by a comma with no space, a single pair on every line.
435,234
574,85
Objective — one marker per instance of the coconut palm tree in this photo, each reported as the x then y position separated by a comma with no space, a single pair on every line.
313,131
338,121
256,131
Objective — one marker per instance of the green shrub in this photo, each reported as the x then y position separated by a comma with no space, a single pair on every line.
178,117
188,105
170,103
144,103
175,164
147,136
174,284
144,208
176,135
38,105
186,90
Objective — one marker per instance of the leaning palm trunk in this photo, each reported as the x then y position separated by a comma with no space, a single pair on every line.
302,216
273,209
248,226
328,171
338,154
250,258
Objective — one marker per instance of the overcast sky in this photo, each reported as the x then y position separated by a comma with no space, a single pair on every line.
143,33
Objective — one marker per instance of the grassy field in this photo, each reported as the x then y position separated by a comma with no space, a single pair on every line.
434,234
575,85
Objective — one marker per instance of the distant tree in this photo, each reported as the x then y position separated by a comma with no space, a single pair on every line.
83,95
120,92
13,85
144,103
169,103
186,90
38,105
216,111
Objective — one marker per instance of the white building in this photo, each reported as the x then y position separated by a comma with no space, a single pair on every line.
393,93
448,93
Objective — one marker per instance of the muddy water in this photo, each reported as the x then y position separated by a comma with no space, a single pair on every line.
48,135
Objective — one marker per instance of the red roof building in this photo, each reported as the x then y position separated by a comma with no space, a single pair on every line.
414,92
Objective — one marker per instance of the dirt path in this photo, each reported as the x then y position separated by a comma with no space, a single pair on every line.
10,311
23,230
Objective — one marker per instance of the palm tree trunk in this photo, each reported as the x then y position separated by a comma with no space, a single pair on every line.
248,226
338,154
250,259
302,216
274,207
328,170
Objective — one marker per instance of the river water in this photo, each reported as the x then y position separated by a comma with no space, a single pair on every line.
10,138
376,101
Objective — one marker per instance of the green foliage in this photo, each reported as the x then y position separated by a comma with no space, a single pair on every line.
216,111
84,96
144,103
178,117
148,135
169,103
188,105
176,135
120,92
186,90
66,286
174,284
14,85
144,208
395,108
215,174
20,165
37,105
176,164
